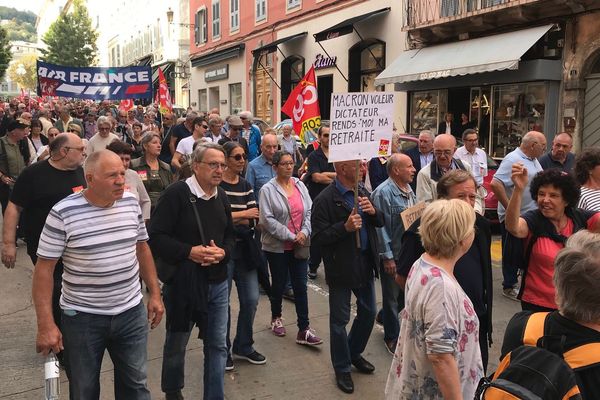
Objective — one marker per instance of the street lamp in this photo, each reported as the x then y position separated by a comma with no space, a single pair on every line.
170,14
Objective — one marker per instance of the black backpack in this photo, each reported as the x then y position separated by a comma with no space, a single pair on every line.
532,372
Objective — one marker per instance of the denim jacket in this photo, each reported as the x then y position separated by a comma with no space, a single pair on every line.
391,201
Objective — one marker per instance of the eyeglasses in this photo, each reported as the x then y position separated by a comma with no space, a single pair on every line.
443,152
215,165
470,196
73,131
471,140
103,129
325,135
204,126
239,157
286,164
80,149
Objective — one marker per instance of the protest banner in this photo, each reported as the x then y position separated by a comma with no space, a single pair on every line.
94,83
411,214
361,125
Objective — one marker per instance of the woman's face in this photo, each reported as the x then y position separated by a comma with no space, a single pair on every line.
237,160
126,158
137,130
285,168
36,129
153,147
551,202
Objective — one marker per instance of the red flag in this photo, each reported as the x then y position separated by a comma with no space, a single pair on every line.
302,106
126,105
163,93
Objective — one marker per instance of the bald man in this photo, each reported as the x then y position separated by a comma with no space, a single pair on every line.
444,146
560,155
392,197
101,236
532,146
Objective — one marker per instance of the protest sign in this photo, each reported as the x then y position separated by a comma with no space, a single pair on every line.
94,83
361,125
411,214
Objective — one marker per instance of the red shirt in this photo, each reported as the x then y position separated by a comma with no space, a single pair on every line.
297,211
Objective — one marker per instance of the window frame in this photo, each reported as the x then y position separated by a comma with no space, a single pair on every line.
234,15
260,17
216,21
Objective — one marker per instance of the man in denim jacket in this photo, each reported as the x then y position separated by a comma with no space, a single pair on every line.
392,197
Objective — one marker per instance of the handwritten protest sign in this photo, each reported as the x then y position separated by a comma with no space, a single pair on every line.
361,125
411,214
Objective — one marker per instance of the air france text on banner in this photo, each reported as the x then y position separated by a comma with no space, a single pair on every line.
361,125
94,83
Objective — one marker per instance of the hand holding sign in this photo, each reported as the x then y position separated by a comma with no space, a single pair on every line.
354,222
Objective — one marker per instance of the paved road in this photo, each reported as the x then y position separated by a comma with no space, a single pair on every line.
291,372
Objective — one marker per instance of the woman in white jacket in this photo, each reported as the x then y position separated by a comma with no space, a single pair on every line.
285,222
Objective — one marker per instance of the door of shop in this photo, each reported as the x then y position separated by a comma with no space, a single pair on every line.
262,94
325,87
591,112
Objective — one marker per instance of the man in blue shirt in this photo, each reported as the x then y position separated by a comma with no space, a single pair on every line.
532,146
251,133
392,197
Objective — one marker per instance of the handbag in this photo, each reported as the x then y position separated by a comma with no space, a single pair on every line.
166,271
301,251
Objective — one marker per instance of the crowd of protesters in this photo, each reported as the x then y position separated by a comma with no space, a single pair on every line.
104,197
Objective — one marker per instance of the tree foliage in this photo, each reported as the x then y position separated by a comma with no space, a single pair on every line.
28,80
13,13
20,25
71,40
5,54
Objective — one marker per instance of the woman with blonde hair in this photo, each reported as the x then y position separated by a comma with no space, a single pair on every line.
438,354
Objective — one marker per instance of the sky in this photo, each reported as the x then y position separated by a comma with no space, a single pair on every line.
27,5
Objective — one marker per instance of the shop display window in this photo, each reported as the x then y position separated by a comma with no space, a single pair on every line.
517,109
425,110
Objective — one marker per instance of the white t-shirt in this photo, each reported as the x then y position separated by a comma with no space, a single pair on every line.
97,142
98,248
186,145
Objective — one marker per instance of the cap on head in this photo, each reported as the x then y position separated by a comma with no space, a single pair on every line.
234,120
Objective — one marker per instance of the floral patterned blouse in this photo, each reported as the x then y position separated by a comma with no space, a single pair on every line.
438,318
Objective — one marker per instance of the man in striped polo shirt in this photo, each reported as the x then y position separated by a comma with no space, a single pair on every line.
101,237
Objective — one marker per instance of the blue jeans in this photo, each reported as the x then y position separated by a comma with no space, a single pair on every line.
215,347
282,265
512,249
246,282
347,347
392,302
125,336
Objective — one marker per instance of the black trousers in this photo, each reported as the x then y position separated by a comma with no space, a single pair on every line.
56,290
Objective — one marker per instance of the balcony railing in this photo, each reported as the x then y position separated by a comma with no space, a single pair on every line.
419,13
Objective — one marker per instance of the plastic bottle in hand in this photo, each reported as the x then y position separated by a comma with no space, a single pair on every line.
52,377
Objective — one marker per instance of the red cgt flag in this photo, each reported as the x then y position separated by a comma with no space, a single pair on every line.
126,105
164,96
302,106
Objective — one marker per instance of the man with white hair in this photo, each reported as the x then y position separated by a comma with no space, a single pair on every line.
103,138
251,133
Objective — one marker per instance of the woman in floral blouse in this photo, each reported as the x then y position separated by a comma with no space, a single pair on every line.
438,356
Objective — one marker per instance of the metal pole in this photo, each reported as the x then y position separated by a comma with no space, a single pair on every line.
336,67
356,201
268,73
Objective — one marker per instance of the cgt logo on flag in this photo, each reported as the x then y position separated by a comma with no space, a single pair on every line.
302,106
94,83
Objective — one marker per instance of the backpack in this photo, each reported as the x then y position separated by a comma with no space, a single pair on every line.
532,372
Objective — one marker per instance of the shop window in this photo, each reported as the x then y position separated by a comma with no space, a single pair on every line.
424,111
518,109
235,14
292,71
216,19
214,100
261,10
202,100
366,61
235,98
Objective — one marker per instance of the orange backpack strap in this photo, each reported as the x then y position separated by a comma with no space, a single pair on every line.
583,356
534,329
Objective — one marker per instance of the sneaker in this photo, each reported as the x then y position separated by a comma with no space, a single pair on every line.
308,337
277,327
312,272
379,317
174,395
390,346
289,295
253,358
229,364
510,293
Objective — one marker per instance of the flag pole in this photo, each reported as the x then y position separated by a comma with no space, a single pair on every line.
356,201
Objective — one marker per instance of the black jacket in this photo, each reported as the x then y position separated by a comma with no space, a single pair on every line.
412,250
415,156
344,266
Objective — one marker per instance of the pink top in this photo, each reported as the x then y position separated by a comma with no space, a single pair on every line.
297,210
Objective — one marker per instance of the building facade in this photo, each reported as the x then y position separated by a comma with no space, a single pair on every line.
508,66
252,57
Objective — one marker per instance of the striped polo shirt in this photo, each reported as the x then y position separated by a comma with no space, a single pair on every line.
98,248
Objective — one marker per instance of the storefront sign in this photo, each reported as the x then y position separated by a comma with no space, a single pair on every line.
218,73
361,125
435,75
322,62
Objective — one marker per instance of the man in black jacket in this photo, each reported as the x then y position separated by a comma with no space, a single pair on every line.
422,154
473,271
349,267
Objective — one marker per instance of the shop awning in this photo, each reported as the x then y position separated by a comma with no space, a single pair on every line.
219,55
347,26
166,69
486,54
272,47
